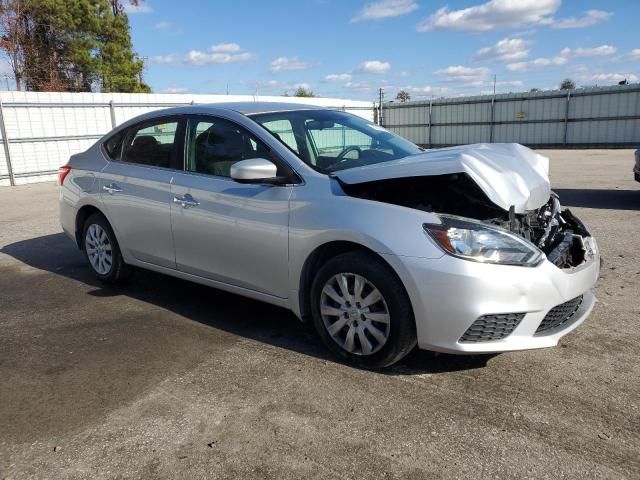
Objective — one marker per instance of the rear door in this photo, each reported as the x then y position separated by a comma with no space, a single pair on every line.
136,189
223,230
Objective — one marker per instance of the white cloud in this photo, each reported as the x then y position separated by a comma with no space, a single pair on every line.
467,75
562,58
492,15
385,9
287,63
175,90
536,63
635,54
225,48
358,86
162,59
197,57
506,50
602,50
140,8
221,53
510,83
338,77
591,17
614,77
163,25
374,66
428,90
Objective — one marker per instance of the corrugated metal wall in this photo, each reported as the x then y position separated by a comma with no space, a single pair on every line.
41,130
597,117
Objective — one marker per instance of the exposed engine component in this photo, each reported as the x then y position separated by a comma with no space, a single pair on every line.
558,233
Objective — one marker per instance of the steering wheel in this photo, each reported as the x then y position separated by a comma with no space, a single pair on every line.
350,148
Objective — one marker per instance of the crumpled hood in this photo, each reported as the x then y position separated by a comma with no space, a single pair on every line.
508,173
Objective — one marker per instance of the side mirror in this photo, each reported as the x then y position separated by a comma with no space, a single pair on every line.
255,170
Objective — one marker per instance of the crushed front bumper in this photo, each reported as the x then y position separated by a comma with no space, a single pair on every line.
449,294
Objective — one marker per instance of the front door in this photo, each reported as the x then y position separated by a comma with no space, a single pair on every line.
223,230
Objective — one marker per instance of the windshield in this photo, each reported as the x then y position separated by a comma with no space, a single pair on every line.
329,141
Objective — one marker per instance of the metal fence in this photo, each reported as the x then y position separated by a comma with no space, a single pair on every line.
607,117
41,130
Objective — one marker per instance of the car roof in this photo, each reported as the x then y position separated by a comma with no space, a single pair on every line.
243,108
248,108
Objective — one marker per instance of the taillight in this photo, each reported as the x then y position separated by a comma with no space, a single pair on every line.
62,174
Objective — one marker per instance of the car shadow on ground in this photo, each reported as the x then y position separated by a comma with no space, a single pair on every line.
596,198
215,308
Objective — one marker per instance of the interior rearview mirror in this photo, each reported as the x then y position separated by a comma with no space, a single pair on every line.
255,170
320,124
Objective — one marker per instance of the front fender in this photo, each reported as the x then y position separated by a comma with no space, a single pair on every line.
320,214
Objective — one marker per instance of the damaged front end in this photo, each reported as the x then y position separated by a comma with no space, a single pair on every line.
558,233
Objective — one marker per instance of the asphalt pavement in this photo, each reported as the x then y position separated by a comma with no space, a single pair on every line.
167,379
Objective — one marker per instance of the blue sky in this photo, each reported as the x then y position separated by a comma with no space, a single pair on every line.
350,48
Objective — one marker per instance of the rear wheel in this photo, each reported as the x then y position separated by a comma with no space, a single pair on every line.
102,251
361,311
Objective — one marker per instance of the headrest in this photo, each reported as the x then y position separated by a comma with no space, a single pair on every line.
145,141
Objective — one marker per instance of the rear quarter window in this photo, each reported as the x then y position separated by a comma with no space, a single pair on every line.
113,145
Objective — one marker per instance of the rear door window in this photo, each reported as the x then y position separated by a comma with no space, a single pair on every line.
152,143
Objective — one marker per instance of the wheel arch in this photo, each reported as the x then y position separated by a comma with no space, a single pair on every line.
321,255
81,217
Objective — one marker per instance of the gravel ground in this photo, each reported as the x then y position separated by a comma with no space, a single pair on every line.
167,379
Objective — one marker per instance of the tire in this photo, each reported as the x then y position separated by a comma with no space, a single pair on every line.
102,252
387,324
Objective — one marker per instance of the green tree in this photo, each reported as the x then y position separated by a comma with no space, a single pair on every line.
71,45
121,68
567,84
303,92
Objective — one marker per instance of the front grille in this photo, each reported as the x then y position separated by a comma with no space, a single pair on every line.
559,315
492,327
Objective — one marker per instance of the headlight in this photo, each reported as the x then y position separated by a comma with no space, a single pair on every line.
482,243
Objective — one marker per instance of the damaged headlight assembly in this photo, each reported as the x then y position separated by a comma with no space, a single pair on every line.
482,243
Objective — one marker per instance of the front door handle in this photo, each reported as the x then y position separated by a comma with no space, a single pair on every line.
185,201
112,188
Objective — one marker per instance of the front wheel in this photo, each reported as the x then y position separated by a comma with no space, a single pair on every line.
361,311
102,251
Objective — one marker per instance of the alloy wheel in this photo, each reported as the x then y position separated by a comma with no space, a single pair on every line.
355,313
99,249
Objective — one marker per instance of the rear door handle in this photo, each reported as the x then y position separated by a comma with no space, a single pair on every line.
112,188
185,201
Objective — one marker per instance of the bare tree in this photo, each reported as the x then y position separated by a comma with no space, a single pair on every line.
403,96
13,37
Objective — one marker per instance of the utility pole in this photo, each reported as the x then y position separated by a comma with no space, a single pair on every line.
380,106
494,84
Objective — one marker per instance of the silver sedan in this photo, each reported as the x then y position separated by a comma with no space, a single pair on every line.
380,244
